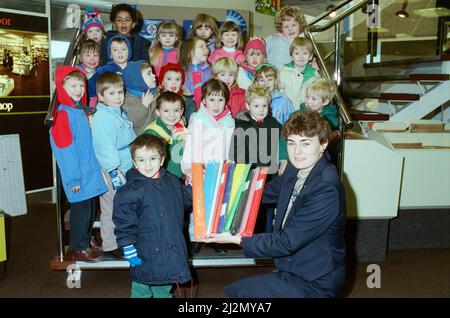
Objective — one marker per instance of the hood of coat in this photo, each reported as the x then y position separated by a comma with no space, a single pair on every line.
64,98
118,36
132,77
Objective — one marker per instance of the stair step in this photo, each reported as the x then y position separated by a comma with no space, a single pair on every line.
67,225
383,96
377,78
367,115
233,257
57,265
403,62
429,77
405,77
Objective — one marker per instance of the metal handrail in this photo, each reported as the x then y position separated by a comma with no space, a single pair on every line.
340,101
312,27
69,60
347,121
326,14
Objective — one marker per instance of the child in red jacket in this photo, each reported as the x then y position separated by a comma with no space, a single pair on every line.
225,70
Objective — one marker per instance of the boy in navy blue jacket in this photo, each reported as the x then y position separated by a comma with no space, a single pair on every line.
148,214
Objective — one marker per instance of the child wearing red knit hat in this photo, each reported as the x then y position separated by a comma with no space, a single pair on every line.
171,78
255,55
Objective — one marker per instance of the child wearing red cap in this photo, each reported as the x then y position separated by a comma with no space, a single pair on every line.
171,79
255,55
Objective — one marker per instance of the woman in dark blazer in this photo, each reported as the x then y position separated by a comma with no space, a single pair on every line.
307,242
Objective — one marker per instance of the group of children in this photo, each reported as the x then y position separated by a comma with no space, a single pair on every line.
155,109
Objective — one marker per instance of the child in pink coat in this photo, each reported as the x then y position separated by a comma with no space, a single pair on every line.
165,48
229,44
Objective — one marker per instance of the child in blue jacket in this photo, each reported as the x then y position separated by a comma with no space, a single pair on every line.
267,76
81,174
148,214
112,134
119,53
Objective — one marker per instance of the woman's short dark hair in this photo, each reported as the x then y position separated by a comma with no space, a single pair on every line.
308,123
148,141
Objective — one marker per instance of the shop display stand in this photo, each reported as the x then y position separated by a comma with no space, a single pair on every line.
6,85
22,64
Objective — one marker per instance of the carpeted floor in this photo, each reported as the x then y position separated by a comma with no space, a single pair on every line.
31,241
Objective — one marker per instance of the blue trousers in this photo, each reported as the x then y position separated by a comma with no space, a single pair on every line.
286,285
82,217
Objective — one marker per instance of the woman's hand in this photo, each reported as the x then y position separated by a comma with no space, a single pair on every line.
225,237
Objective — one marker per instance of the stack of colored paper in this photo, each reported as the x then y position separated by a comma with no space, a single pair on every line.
226,197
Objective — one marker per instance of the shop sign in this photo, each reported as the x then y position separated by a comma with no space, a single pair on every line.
6,107
5,21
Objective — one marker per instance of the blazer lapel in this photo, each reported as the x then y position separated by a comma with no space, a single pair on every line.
291,178
285,195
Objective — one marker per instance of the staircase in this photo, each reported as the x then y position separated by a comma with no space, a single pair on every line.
405,90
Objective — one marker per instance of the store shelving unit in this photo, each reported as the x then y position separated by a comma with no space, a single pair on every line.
6,85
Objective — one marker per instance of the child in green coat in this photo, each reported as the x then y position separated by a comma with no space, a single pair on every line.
319,97
169,126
